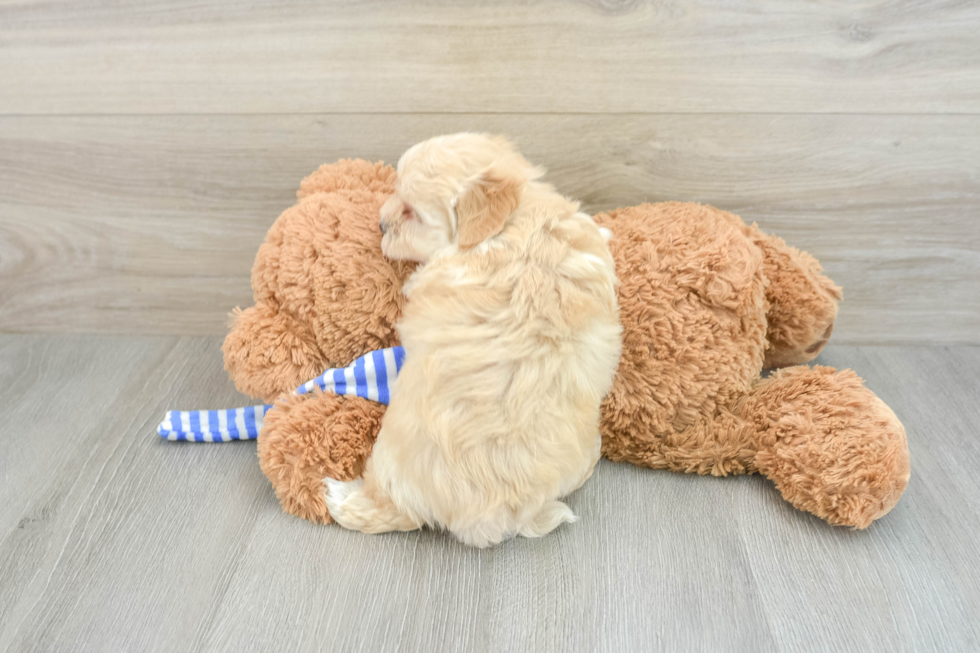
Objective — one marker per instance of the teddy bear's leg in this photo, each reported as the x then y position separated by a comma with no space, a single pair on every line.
306,438
831,446
722,445
802,302
267,352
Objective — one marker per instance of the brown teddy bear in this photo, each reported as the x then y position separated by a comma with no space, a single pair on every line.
706,303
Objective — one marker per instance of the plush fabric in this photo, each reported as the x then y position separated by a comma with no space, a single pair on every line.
324,295
706,301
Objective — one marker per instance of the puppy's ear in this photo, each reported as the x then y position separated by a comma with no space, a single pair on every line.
487,202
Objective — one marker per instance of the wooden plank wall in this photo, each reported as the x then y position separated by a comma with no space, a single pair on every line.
145,147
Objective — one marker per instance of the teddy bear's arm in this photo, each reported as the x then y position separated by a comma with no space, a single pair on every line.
268,352
309,437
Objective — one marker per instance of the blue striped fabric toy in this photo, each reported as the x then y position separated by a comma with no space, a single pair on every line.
370,377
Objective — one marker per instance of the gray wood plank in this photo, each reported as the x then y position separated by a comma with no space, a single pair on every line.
546,57
109,538
120,541
875,589
150,224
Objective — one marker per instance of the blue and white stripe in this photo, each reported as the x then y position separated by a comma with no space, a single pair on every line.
370,376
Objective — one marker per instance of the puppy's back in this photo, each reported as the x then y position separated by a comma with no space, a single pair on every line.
511,348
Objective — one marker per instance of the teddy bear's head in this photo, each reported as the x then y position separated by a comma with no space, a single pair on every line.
324,294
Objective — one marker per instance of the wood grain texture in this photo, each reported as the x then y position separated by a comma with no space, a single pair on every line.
86,498
594,56
150,224
146,147
111,539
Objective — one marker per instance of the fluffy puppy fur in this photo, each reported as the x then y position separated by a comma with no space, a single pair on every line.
512,339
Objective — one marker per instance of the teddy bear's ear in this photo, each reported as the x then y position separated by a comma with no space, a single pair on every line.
489,199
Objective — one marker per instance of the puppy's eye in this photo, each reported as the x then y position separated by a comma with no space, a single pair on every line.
408,213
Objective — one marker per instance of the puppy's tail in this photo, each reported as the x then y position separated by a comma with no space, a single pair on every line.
552,514
353,508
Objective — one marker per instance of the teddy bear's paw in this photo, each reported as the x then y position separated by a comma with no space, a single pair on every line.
803,302
831,446
267,352
308,437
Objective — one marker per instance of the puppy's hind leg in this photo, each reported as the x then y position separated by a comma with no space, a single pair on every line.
360,508
495,528
551,515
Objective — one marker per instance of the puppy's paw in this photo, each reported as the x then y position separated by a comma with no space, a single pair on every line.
336,493
551,516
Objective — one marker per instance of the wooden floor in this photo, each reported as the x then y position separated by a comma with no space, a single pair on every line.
112,539
146,146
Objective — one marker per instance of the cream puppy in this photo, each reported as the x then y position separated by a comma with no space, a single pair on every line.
512,338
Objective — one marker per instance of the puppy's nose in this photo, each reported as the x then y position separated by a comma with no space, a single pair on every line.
381,225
